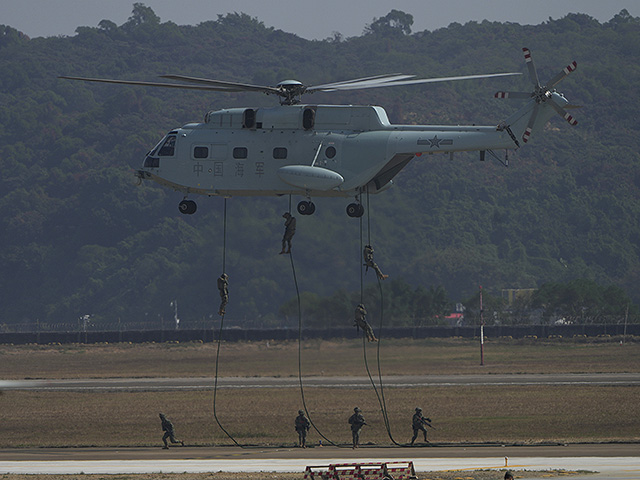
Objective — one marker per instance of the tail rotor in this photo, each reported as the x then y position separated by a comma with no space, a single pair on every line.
542,94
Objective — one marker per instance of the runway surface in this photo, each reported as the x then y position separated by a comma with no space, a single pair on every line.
404,381
616,461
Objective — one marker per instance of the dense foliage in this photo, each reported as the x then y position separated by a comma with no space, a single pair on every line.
78,237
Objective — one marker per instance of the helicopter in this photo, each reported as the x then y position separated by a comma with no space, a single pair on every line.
316,150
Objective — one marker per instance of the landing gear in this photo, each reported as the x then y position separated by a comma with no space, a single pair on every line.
306,208
355,210
188,207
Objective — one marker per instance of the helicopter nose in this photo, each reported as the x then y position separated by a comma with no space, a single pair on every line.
151,162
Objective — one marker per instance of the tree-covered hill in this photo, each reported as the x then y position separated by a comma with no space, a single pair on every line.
77,236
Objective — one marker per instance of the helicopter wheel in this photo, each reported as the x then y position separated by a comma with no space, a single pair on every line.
188,207
355,210
306,208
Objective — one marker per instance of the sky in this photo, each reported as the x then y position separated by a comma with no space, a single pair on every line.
310,19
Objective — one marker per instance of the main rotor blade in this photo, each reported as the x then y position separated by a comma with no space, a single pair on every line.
416,81
565,71
231,86
513,95
153,84
362,81
562,112
533,73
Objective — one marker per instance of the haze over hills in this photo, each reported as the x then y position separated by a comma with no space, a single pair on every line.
78,237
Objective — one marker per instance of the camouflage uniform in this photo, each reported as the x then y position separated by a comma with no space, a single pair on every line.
418,422
368,261
357,422
361,322
169,432
302,427
289,231
223,287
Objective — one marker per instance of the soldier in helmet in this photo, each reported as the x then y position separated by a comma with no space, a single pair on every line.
368,261
302,427
418,422
223,287
357,422
361,322
289,231
169,432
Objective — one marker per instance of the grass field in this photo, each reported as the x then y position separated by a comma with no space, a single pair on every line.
506,414
330,358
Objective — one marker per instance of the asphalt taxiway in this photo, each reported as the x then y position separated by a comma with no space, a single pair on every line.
399,381
615,461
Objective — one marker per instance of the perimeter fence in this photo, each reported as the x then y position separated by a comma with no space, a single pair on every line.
207,333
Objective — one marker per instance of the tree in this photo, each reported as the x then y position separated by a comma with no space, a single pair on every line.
141,15
395,22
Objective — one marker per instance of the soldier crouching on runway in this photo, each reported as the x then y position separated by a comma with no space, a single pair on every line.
169,432
418,422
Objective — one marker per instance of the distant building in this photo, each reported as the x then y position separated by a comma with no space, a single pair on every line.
511,294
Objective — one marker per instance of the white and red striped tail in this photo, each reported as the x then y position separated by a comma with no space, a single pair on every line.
570,68
502,95
572,121
527,54
526,135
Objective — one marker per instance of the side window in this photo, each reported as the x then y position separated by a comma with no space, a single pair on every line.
330,152
168,148
201,152
240,152
249,118
279,153
308,118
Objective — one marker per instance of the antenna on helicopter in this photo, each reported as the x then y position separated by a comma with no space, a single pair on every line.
542,93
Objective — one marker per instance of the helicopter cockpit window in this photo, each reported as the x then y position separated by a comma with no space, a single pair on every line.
240,152
168,148
280,153
200,152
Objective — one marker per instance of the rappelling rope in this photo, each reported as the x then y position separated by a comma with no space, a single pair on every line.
215,384
304,403
380,396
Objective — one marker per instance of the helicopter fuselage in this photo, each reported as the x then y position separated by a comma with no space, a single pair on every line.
309,150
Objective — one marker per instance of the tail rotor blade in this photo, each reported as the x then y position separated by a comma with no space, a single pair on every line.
532,120
533,74
562,112
513,95
565,71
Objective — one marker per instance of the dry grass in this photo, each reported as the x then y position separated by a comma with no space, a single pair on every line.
529,414
520,414
336,357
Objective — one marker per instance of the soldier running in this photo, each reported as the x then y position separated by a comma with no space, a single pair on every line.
357,422
169,432
302,427
289,232
368,261
223,287
361,322
418,422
